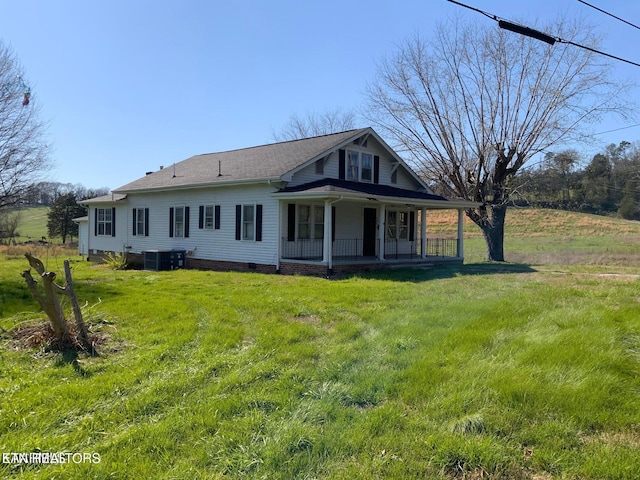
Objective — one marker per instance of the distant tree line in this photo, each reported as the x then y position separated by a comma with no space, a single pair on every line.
608,185
46,193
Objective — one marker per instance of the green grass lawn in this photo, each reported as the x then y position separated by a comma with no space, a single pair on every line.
485,371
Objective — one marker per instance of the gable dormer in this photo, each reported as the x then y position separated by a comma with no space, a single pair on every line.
363,158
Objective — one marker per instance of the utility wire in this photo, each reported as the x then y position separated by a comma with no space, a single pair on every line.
537,34
618,129
610,14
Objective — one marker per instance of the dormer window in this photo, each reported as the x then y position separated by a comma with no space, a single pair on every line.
359,166
366,162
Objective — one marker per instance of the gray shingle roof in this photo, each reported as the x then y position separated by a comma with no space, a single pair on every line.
255,163
111,197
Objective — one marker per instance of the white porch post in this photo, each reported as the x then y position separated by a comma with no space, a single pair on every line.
279,238
423,233
382,214
327,253
460,233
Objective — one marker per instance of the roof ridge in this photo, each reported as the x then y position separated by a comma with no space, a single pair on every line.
281,143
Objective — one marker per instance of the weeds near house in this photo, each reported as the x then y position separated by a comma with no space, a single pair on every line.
116,261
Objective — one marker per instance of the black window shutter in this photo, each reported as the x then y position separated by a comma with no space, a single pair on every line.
341,164
201,217
258,223
412,228
146,222
186,222
376,169
217,217
171,221
238,222
333,224
95,223
113,220
291,222
134,214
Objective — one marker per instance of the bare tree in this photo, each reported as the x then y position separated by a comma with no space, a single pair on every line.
23,152
315,124
9,221
471,106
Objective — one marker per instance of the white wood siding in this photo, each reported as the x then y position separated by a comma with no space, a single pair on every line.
107,243
210,244
83,237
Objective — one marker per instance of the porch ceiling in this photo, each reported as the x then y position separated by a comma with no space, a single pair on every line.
330,188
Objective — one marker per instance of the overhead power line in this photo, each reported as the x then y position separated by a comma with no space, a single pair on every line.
610,14
618,129
537,34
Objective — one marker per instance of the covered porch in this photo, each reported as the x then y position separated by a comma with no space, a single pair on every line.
339,225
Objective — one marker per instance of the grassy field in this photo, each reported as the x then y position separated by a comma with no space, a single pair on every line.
33,224
537,236
514,371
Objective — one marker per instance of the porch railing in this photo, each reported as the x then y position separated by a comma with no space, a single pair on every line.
354,249
442,247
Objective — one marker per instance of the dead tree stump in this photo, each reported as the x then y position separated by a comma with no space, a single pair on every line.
50,303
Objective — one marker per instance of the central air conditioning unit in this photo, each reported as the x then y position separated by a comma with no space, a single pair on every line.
164,259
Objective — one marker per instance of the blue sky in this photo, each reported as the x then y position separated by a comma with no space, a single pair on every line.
130,85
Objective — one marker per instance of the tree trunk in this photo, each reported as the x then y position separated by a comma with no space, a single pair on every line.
49,303
492,226
81,328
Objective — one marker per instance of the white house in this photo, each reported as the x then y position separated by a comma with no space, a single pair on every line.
320,205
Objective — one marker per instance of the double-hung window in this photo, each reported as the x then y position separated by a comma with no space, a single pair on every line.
141,222
104,222
249,222
304,221
359,166
397,224
179,222
311,222
366,167
208,216
318,221
353,165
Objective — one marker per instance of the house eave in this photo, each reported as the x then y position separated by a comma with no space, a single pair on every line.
113,197
448,204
